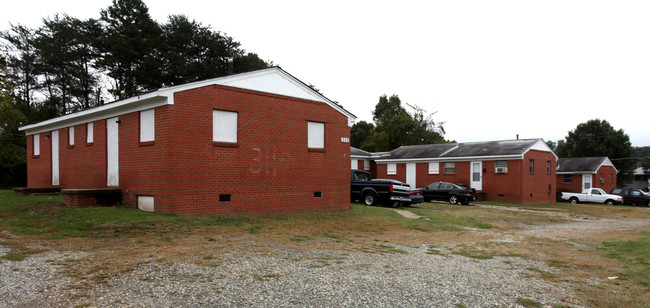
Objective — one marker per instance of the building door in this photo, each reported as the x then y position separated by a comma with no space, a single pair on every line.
410,174
476,177
112,152
586,182
55,158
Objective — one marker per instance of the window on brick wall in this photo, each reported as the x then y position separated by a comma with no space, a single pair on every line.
501,166
224,126
602,178
434,168
315,135
391,169
611,178
147,125
567,179
71,136
90,133
548,167
531,166
450,168
37,144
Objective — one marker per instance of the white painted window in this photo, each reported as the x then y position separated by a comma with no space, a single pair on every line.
450,168
316,135
37,144
145,203
366,164
71,135
147,125
434,168
224,126
90,132
354,164
391,169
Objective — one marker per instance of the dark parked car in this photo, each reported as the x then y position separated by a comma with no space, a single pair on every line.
632,196
416,197
450,192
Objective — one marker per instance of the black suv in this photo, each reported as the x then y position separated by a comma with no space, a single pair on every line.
632,196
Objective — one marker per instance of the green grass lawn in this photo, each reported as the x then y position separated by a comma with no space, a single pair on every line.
462,230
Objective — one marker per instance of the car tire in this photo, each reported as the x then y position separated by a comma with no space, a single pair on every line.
573,200
453,200
609,202
369,199
648,204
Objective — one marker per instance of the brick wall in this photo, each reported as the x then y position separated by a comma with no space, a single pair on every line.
517,185
84,164
576,185
39,168
538,186
270,169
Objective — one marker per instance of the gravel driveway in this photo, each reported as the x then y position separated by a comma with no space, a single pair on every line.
397,277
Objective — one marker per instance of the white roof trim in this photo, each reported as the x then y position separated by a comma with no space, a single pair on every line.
448,159
540,145
271,80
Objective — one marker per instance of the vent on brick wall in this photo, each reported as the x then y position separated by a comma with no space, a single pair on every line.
318,194
224,198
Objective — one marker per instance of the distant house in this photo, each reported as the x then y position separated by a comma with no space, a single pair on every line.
521,171
581,173
641,179
261,141
360,159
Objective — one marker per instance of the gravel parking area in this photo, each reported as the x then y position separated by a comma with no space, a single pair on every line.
284,277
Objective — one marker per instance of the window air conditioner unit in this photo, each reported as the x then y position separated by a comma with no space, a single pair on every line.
502,170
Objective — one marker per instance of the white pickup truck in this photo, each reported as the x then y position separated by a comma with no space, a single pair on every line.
594,195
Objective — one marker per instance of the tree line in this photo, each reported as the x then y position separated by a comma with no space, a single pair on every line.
69,64
394,126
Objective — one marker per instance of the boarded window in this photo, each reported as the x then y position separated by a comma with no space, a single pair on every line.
434,168
90,133
224,126
37,145
567,179
145,203
391,169
450,168
71,135
316,135
147,125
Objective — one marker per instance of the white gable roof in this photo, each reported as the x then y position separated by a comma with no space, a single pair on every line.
271,80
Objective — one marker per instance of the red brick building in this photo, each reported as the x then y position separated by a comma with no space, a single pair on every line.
521,171
255,142
581,173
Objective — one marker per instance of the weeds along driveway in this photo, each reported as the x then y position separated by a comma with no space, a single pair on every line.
478,256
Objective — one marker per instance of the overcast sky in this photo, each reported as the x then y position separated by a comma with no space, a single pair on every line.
489,69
